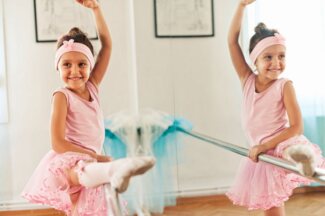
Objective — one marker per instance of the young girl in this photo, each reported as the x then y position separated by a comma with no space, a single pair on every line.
71,176
272,122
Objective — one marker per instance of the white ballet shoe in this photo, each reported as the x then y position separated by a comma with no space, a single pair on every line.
131,167
304,157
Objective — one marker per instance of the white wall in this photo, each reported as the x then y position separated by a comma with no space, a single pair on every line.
190,77
5,165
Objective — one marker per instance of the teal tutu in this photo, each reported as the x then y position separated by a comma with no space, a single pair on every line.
160,138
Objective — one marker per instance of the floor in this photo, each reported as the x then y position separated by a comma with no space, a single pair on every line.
305,202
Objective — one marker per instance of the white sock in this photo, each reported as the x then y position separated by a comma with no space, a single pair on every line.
303,155
117,172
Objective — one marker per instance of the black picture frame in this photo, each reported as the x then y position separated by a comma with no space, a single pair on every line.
183,18
54,18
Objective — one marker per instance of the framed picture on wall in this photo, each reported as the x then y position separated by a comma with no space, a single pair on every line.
184,18
54,18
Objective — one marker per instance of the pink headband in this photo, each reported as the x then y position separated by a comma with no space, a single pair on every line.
265,43
70,46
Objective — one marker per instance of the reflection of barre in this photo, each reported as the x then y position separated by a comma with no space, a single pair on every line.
319,175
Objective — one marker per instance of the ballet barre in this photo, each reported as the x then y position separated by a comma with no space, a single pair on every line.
319,175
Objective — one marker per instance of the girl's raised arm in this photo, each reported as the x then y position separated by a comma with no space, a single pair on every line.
242,68
104,54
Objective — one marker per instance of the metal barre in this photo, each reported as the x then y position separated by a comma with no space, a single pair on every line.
319,175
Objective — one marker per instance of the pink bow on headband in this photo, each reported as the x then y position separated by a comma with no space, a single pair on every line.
279,37
68,44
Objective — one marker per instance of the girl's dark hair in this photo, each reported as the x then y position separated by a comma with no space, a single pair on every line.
78,36
261,32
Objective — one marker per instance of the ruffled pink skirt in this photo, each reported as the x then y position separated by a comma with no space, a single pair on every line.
49,186
263,186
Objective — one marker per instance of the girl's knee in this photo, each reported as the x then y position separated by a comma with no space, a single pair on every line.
74,172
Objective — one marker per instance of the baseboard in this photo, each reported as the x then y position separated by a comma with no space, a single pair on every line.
201,192
19,205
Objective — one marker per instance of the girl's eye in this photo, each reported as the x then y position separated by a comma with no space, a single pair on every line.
82,65
66,65
282,56
268,57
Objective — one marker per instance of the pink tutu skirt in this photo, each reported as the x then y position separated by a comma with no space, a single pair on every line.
263,186
49,186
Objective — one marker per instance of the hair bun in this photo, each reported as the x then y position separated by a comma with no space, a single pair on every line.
261,28
75,31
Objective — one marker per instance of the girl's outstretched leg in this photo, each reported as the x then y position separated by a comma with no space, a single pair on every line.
117,173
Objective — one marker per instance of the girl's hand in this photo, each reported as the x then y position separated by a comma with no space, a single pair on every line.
255,151
246,2
89,3
103,158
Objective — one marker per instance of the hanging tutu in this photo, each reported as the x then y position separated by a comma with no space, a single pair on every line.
156,134
263,186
